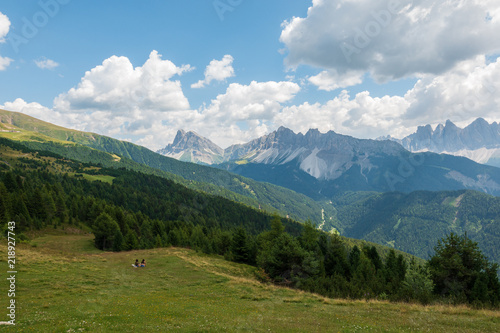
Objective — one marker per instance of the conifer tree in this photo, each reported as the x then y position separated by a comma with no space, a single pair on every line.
118,241
131,242
460,271
104,230
239,246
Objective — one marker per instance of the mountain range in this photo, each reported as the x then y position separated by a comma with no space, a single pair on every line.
479,141
321,165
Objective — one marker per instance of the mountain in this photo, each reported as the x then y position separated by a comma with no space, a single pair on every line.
191,147
479,141
112,153
320,165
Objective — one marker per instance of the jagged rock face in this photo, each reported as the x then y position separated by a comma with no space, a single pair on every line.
323,156
321,164
480,141
191,147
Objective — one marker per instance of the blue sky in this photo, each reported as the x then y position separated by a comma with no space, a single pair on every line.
127,68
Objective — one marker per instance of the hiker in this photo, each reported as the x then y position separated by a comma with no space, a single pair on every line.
143,263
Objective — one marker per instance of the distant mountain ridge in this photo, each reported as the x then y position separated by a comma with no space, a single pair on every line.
479,141
279,147
323,164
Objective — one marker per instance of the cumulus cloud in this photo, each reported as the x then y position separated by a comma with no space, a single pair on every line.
124,102
244,112
4,62
4,27
468,91
119,87
217,70
331,79
32,109
462,94
363,116
46,64
4,30
249,107
258,100
391,39
121,101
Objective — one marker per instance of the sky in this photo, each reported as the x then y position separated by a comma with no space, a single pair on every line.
234,70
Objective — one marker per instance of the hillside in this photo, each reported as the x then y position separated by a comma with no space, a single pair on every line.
414,222
94,148
66,285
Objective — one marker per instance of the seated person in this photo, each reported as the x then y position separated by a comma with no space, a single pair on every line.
136,263
143,263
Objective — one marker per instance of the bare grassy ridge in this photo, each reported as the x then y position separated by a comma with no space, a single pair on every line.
64,284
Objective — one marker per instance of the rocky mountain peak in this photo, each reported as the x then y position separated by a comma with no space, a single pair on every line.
479,141
192,147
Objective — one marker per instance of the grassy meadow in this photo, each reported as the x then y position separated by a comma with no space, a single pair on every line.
64,284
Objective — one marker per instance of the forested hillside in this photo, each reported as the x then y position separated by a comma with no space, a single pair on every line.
414,222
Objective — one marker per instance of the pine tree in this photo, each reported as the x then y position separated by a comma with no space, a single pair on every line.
104,230
5,204
239,246
118,241
282,258
158,241
354,257
10,182
457,265
131,242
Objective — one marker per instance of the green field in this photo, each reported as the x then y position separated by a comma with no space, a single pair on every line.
64,284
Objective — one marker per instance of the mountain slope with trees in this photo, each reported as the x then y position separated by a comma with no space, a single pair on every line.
94,148
414,222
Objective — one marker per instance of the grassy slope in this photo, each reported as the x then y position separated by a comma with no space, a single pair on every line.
65,285
38,134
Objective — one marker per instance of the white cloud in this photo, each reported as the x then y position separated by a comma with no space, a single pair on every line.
121,101
244,112
119,87
46,64
35,110
4,27
464,93
4,63
217,70
331,79
4,30
392,39
468,91
363,116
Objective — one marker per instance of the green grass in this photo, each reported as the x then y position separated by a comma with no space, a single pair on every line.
102,178
64,284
